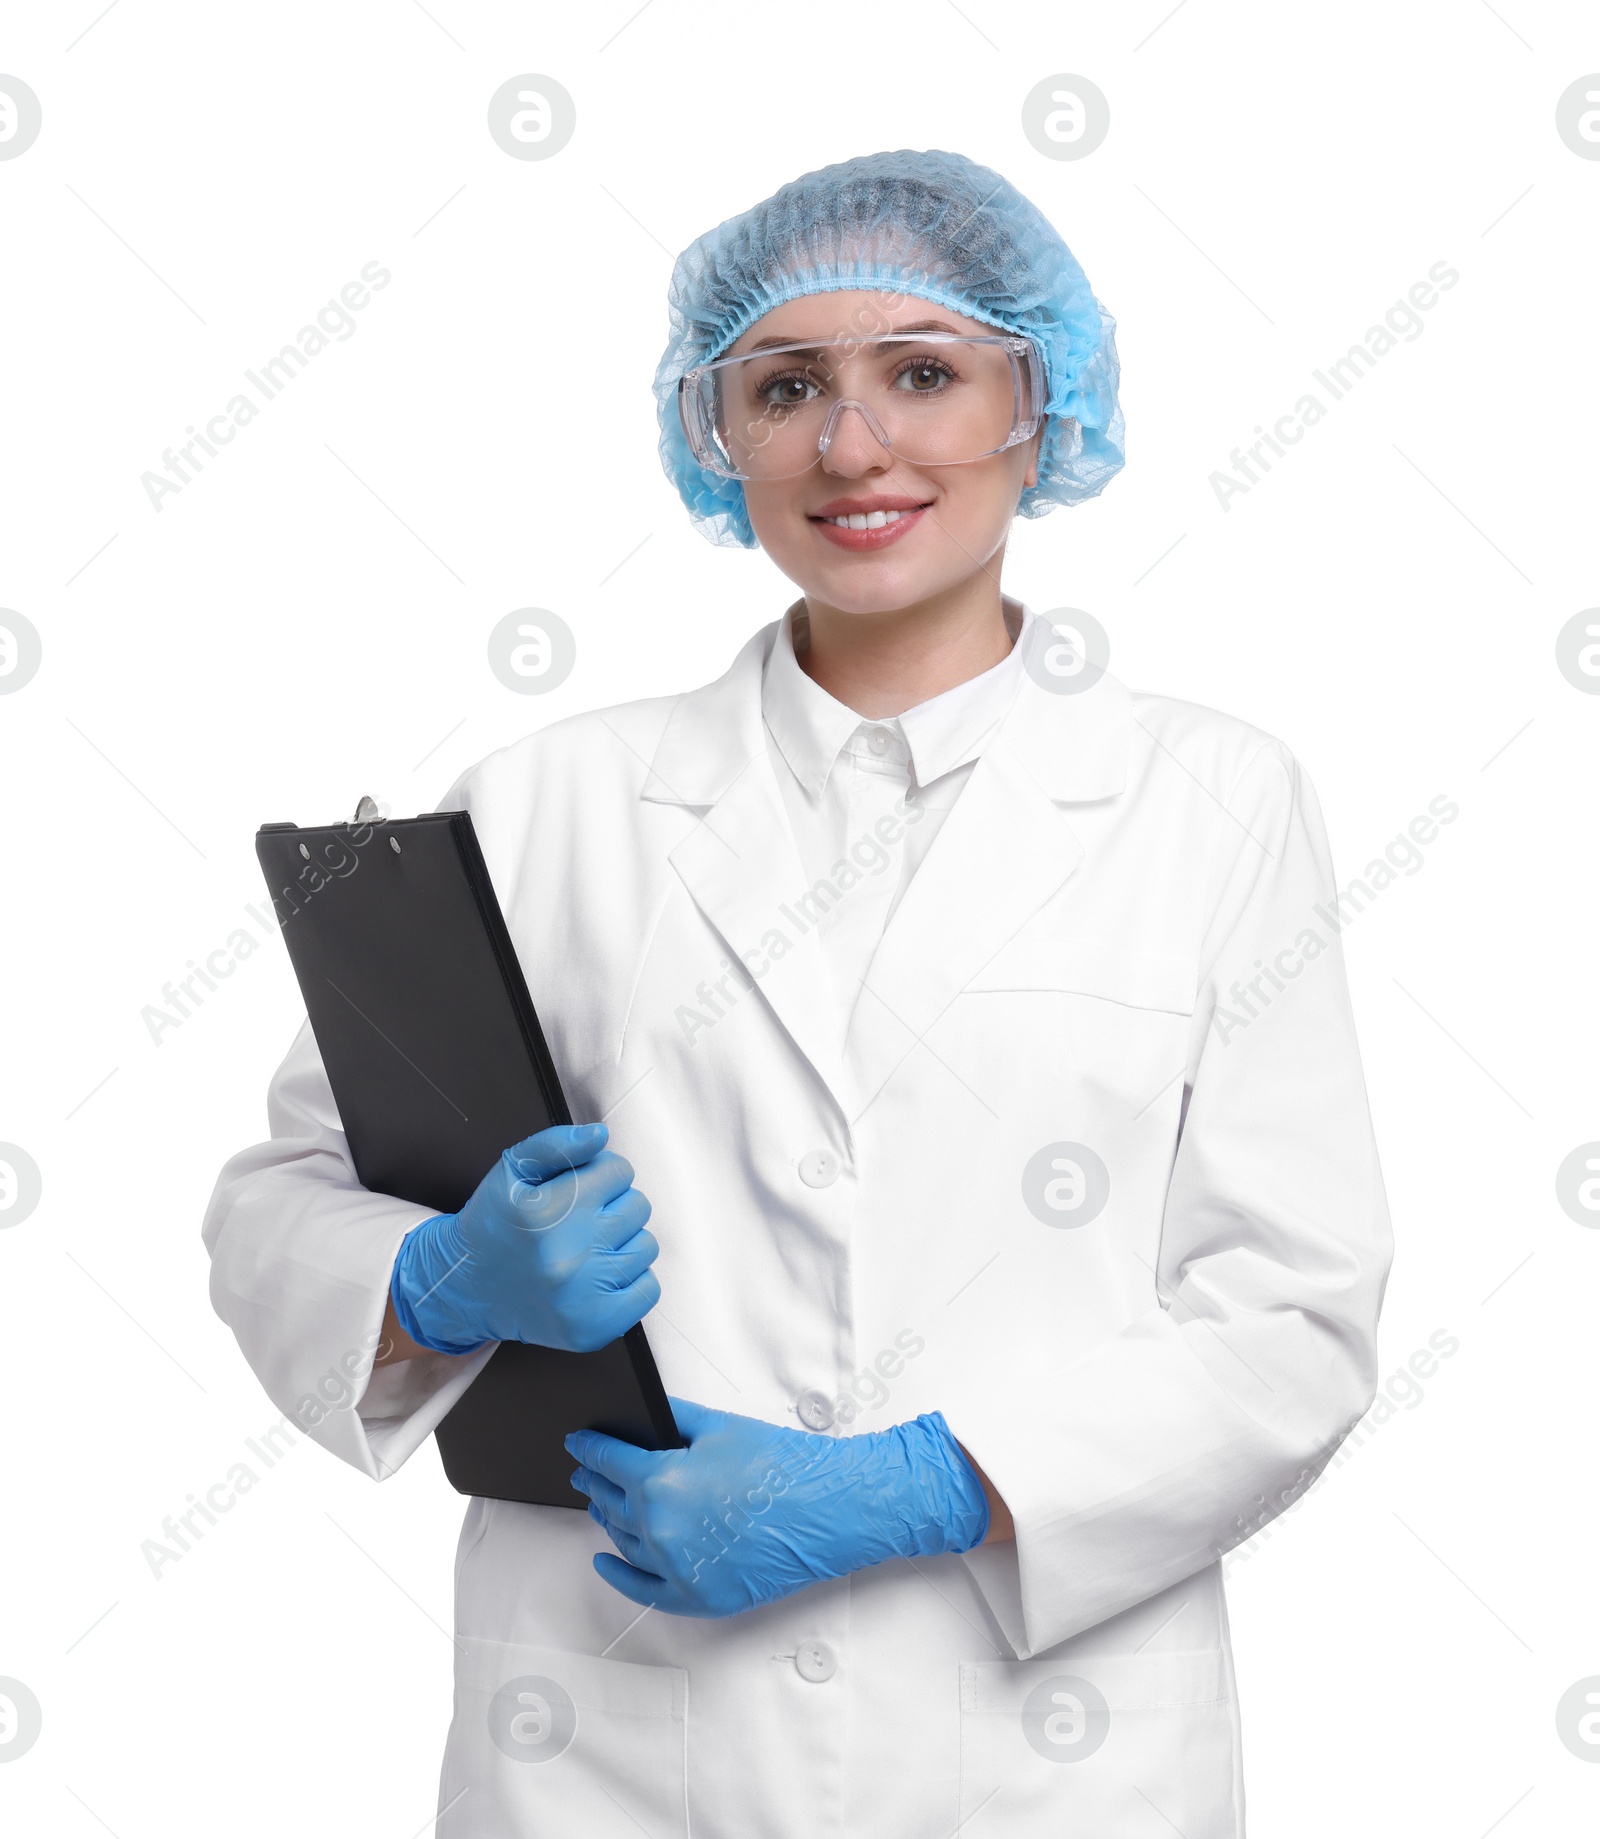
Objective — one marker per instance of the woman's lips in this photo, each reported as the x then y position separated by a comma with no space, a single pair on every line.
880,538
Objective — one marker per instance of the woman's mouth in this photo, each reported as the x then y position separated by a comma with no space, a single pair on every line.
868,529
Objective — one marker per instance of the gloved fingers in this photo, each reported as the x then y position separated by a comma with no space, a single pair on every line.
630,1306
605,1179
641,1587
630,1545
545,1202
619,1220
614,1312
607,1500
626,1263
610,1314
548,1153
695,1420
623,1463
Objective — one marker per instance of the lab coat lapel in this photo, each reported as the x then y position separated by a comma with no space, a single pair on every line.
740,863
1003,850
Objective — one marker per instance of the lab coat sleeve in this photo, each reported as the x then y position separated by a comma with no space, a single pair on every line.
301,1259
1132,1466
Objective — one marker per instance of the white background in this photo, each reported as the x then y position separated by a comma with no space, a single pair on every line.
306,622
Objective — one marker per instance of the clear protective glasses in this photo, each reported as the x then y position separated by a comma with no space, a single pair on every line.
930,398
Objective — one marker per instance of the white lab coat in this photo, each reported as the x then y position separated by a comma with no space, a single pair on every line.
1150,1348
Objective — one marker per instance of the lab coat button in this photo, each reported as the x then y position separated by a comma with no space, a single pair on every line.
819,1168
815,1411
815,1661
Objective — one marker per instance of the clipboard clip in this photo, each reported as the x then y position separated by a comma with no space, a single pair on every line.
367,812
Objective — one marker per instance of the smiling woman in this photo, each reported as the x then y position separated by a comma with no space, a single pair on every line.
871,375
912,231
894,952
911,445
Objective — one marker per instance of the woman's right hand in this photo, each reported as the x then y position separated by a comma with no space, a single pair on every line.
551,1248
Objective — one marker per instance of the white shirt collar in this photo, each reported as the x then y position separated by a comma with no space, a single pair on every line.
811,728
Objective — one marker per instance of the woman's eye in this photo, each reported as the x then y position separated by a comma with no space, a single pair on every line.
922,379
787,392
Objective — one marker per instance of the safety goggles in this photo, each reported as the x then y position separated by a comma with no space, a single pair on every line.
930,398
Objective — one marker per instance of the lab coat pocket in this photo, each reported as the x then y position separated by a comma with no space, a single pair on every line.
1136,1745
549,1742
1039,960
1061,1026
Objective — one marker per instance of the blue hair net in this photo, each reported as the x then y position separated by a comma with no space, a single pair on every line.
933,225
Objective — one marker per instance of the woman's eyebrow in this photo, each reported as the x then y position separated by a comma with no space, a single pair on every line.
918,325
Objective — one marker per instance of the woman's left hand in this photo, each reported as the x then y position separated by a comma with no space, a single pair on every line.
752,1511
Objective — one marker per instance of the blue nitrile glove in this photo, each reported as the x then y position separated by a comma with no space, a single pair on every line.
750,1511
551,1248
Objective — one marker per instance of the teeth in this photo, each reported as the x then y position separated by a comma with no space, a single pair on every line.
867,520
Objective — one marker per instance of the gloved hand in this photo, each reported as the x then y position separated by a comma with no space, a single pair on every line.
551,1248
751,1511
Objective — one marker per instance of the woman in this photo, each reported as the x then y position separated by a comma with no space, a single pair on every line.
1015,1208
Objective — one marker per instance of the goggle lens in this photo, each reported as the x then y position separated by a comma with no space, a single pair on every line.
932,399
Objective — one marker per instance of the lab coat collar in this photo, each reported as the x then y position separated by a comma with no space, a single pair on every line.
949,729
713,732
1075,746
1002,851
811,727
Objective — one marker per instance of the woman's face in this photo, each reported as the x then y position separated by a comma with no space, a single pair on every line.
955,518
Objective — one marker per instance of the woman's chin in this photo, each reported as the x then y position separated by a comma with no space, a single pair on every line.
874,583
851,594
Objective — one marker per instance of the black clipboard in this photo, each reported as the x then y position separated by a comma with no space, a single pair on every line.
438,1064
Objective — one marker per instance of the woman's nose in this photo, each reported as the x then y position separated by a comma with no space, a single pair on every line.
852,440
